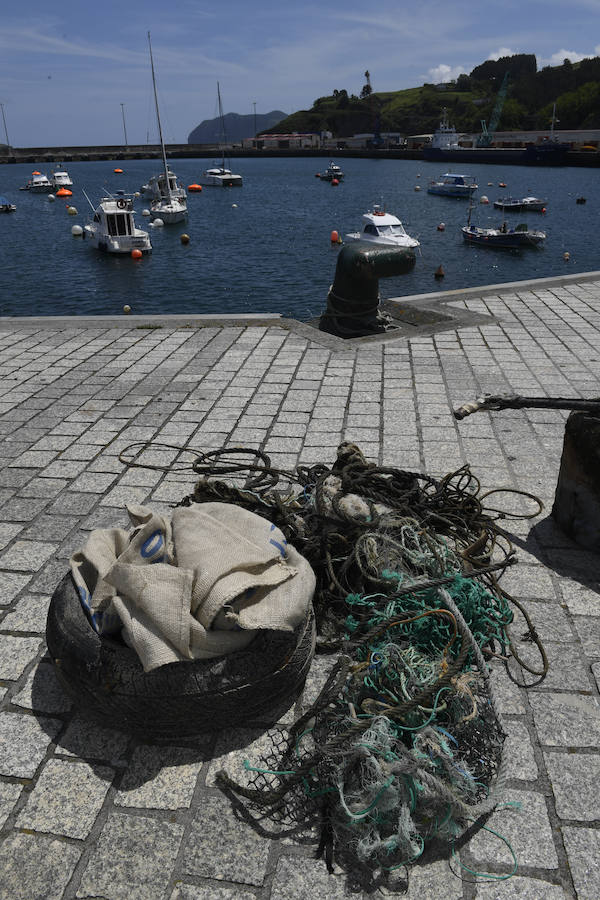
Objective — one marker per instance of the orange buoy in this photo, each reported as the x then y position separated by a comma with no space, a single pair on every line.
335,238
64,192
334,181
439,272
501,184
194,188
36,172
136,254
317,174
118,171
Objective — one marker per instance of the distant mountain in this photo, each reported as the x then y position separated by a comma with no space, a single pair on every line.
236,127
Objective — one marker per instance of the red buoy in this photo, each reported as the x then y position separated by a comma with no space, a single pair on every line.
334,181
136,254
335,237
194,188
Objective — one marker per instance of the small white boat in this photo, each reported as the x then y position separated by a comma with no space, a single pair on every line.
453,185
503,238
220,176
519,204
167,208
156,187
112,228
333,171
61,179
380,227
38,184
5,206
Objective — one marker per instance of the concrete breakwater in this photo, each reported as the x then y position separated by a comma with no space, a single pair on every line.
49,155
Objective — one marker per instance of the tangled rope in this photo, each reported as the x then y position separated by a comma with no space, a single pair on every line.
403,746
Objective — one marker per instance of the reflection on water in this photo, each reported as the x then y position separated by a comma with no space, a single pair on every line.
266,247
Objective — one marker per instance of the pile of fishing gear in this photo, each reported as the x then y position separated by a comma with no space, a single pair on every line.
402,751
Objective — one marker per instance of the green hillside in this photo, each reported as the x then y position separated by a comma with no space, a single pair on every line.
574,87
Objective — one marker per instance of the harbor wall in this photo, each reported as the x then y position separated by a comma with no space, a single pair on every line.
53,155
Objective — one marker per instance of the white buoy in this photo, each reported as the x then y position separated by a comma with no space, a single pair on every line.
484,199
76,230
145,212
417,187
51,198
137,194
71,210
234,206
157,223
127,309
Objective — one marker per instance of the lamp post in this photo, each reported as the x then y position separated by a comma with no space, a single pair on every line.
254,105
124,128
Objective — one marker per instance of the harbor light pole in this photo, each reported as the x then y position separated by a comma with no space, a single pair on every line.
254,105
124,128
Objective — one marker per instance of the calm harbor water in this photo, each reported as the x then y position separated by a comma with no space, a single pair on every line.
266,247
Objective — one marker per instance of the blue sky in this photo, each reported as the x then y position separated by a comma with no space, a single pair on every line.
66,67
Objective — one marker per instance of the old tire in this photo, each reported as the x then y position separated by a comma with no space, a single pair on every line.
181,700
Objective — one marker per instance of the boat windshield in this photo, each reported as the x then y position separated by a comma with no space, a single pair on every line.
391,229
118,224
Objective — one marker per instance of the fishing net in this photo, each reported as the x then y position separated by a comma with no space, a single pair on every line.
403,748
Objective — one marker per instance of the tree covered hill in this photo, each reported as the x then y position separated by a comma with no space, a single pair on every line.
574,87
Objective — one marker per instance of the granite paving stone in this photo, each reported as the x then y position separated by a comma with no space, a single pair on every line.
566,720
575,780
27,556
66,799
527,828
42,691
28,615
24,741
10,585
583,850
88,740
35,866
193,892
7,532
15,654
9,794
223,847
160,778
132,859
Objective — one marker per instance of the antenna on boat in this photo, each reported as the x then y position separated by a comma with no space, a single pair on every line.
88,200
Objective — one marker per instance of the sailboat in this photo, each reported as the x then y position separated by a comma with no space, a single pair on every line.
220,176
169,207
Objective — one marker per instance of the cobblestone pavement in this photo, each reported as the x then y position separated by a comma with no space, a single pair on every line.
87,812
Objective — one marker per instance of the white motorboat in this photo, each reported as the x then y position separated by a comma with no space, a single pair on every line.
166,207
520,204
61,179
155,187
38,184
453,185
112,228
5,206
331,173
381,227
503,237
220,176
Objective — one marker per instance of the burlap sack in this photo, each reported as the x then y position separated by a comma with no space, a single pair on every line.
198,586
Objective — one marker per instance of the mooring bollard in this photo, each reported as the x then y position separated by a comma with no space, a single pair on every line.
576,506
353,299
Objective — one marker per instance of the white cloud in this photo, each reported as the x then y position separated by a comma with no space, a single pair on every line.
443,73
559,57
502,51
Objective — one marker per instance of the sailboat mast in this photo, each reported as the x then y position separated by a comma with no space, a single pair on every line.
222,126
160,134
